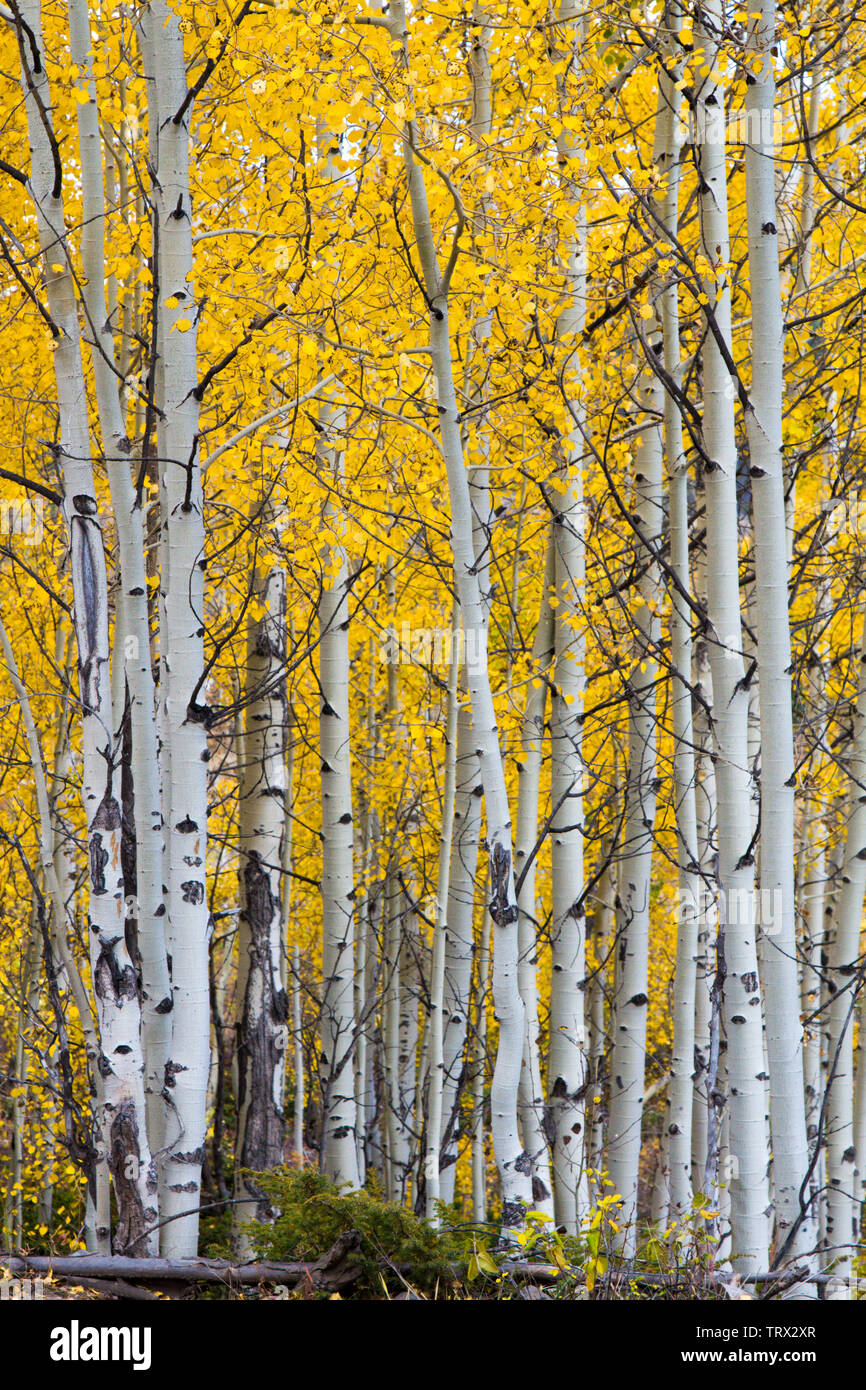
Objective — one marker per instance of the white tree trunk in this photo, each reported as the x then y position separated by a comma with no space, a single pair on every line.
121,1061
567,1063
844,982
628,1026
764,421
459,937
337,1026
131,652
605,895
407,1068
810,990
262,1033
705,807
338,918
437,974
479,1069
531,1098
678,1119
469,791
184,710
516,1186
298,1061
742,1001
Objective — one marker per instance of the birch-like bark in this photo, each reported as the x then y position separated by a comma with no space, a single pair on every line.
391,1035
131,654
401,1041
810,991
479,1069
338,918
407,1059
837,821
764,422
742,1000
120,1061
298,1061
678,1120
262,1033
337,1026
459,919
97,1203
531,1096
628,1026
859,1116
705,809
605,914
567,1064
437,973
844,980
289,968
516,1186
184,710
467,819
366,858
28,1014
803,277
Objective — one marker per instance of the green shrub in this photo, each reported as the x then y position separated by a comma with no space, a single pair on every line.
314,1212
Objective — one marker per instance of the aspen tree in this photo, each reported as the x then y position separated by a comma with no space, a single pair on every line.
408,1048
262,1030
742,1000
184,709
28,1012
466,834
461,906
567,1067
628,1025
678,1118
810,991
131,654
764,422
97,1215
298,1061
705,819
479,1066
516,1189
61,892
338,924
338,887
437,974
844,981
604,937
122,1121
531,1096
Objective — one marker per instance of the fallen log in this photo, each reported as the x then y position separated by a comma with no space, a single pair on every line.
337,1270
115,1287
331,1273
